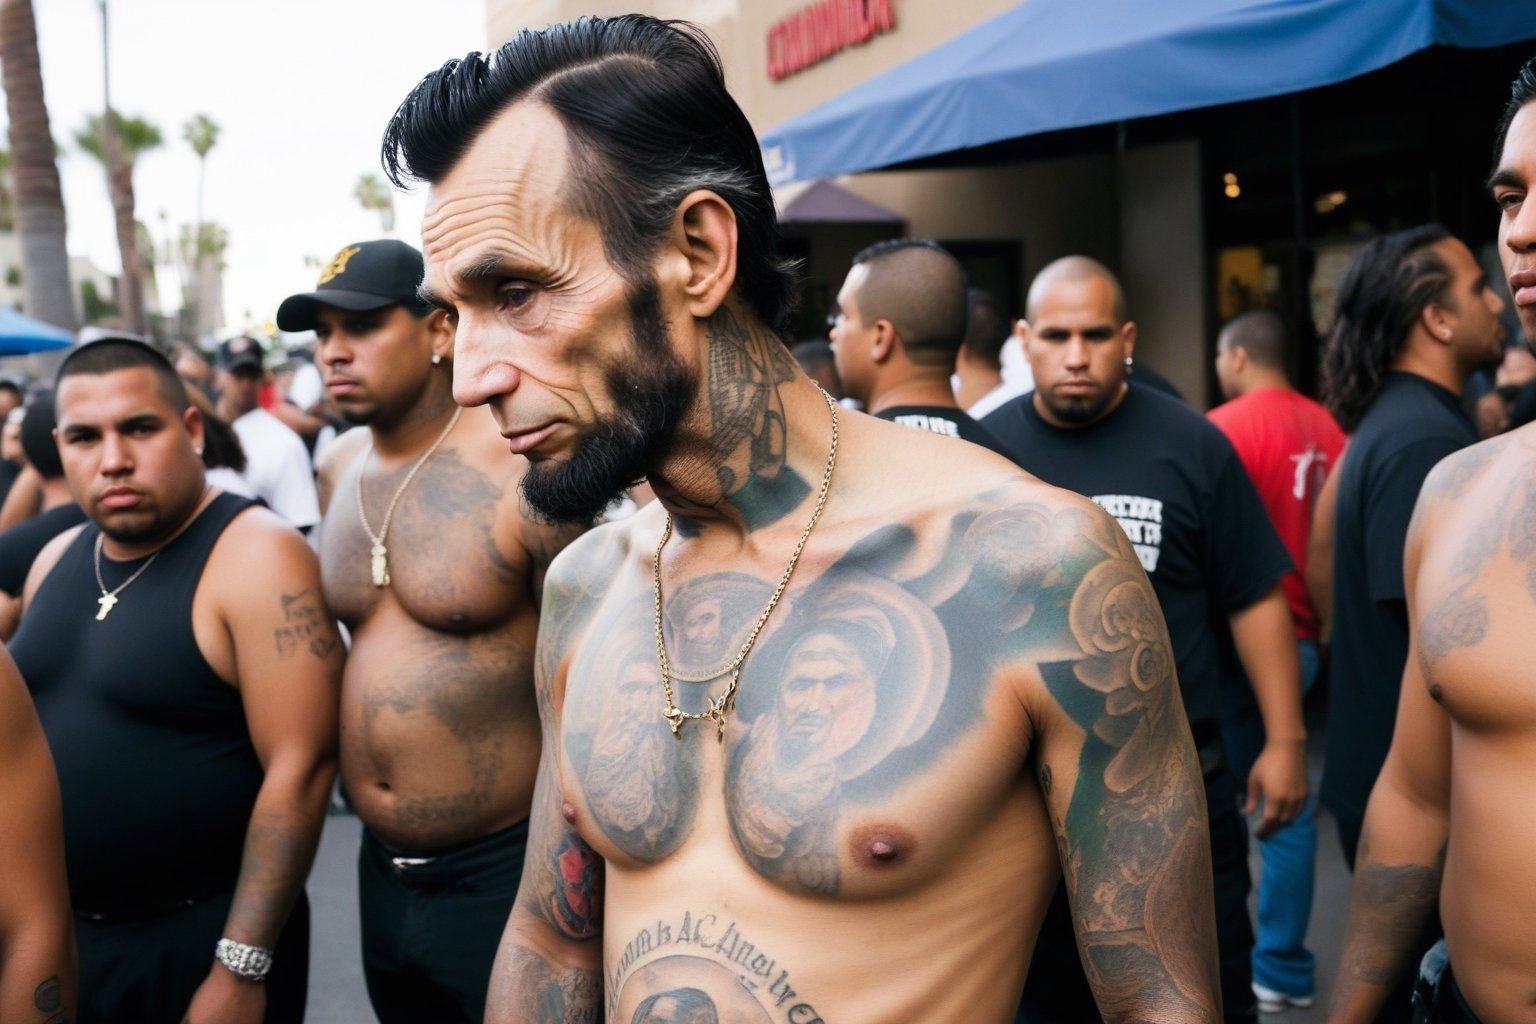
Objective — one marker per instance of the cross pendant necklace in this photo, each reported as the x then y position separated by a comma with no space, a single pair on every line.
108,599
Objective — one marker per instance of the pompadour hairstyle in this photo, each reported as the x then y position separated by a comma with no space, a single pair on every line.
1521,91
647,119
1387,285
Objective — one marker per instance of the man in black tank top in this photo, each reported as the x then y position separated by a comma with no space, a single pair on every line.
185,669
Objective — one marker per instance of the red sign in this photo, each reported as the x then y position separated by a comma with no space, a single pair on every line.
818,31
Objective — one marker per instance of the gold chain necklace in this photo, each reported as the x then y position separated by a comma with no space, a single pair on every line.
379,554
108,599
722,705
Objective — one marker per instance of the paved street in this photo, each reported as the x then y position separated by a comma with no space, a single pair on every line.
337,994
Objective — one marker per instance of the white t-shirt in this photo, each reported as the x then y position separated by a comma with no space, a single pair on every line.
277,467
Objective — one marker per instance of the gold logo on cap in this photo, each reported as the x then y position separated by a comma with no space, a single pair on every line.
338,266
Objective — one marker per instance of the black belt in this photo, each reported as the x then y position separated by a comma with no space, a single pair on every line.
443,867
142,910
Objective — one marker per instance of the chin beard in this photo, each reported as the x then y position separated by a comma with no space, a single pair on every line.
652,389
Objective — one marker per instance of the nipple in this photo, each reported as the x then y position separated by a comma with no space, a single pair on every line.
568,812
882,846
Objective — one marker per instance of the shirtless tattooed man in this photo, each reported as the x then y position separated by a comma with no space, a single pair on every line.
1446,819
822,724
432,566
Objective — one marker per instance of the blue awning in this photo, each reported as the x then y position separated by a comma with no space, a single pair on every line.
1047,65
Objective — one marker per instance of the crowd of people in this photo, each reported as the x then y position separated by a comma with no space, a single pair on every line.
680,673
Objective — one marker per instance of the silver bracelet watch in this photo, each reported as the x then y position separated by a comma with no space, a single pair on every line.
249,962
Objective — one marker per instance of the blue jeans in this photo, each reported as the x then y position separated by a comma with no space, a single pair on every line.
1287,859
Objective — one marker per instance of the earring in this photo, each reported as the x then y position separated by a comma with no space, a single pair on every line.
1127,364
436,359
198,452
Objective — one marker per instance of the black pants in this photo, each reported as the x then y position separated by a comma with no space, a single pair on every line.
431,925
1056,990
1437,999
146,970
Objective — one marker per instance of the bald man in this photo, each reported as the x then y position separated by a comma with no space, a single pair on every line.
1178,490
900,321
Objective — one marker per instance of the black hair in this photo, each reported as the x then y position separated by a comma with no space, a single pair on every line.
6,384
221,445
918,286
986,327
1260,333
37,424
1388,283
1521,91
647,119
109,355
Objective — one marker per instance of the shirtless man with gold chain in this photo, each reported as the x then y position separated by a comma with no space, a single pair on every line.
1446,818
428,561
824,722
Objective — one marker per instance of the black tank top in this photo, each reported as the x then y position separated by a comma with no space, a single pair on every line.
154,757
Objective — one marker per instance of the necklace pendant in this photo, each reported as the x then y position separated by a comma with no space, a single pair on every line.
380,564
675,718
107,601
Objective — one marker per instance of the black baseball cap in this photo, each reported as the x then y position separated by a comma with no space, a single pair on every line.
240,353
362,276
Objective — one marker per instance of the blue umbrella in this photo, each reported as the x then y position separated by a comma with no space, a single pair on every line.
21,335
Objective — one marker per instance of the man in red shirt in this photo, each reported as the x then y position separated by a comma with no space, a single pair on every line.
1287,443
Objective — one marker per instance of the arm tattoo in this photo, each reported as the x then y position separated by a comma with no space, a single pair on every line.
1133,838
1388,908
305,627
540,992
575,907
48,1000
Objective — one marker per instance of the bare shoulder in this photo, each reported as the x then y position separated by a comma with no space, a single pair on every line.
1484,468
340,454
258,551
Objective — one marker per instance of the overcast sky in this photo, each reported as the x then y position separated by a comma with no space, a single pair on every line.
301,91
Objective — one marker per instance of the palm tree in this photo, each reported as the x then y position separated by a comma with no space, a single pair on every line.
125,138
373,194
202,249
39,199
202,134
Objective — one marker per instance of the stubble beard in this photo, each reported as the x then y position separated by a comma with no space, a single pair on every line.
652,389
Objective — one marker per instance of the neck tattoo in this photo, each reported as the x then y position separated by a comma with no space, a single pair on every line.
378,553
721,706
108,599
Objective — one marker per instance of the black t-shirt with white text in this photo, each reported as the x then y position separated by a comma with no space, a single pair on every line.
937,419
1176,486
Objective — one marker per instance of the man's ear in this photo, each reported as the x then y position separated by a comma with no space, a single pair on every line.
1437,322
1239,357
441,332
704,237
882,342
1128,332
192,418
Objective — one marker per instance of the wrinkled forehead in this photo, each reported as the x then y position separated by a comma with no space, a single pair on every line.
510,183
